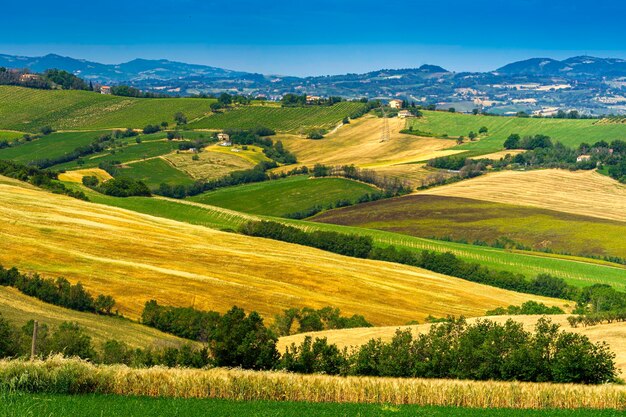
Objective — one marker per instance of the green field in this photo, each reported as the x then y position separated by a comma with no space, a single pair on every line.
27,109
50,146
24,405
284,119
285,196
132,152
576,271
569,132
10,135
154,172
474,220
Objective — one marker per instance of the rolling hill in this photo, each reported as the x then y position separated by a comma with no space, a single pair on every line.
28,109
135,258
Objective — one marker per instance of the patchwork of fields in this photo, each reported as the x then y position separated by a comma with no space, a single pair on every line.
136,258
284,119
569,132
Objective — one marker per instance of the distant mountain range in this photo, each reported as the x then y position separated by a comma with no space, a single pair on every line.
589,84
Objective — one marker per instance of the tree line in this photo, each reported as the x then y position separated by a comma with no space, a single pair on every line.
391,186
38,177
57,291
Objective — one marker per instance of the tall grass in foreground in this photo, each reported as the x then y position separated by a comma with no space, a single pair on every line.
57,375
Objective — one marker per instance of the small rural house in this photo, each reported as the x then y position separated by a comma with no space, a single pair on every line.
583,158
395,104
105,89
224,138
312,99
28,77
403,114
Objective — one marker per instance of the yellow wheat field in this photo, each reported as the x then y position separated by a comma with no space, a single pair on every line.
136,257
614,334
19,308
77,175
580,192
240,385
360,143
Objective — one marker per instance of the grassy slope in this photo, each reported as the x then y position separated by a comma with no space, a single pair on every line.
288,119
577,271
26,405
136,258
614,334
50,146
29,109
19,309
586,193
154,172
471,220
569,132
285,196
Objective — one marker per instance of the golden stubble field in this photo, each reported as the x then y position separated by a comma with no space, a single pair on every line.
614,334
359,143
579,192
136,257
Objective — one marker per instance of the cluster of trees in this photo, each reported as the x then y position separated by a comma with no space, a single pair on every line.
58,292
455,349
444,263
38,177
528,308
118,187
52,78
295,100
465,167
307,319
258,136
128,91
514,141
71,340
343,244
390,186
233,339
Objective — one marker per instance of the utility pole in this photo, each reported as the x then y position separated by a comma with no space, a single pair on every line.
33,346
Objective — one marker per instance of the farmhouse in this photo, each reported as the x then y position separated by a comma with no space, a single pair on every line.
395,104
312,99
28,77
403,114
225,138
583,158
105,89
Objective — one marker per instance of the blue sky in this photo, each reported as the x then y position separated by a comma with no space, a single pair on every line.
316,37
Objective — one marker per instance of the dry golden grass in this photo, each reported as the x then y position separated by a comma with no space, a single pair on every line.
210,165
579,192
19,309
614,334
77,175
57,374
496,156
359,143
136,257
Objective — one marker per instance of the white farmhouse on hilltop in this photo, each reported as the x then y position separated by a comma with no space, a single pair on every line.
395,104
105,89
224,138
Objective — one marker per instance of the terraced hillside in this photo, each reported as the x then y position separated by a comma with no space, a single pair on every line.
135,258
285,196
19,309
614,334
569,132
284,119
29,109
586,193
484,221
